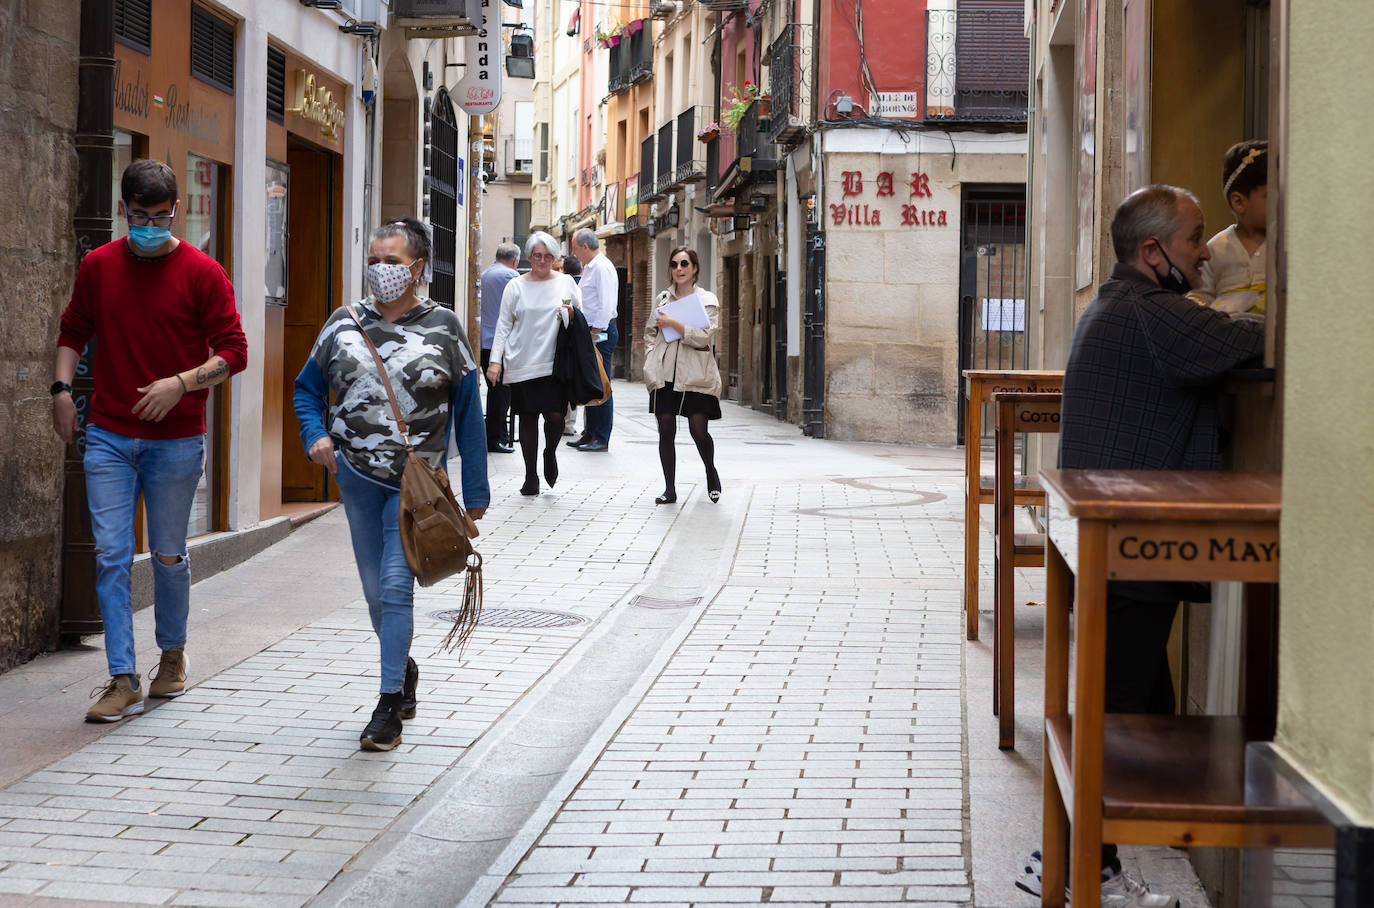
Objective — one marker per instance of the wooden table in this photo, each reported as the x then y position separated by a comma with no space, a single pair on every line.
979,386
1146,779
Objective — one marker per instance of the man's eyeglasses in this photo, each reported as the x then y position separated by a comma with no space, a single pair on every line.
139,219
682,263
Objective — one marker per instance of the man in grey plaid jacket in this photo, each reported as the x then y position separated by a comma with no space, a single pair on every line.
1140,393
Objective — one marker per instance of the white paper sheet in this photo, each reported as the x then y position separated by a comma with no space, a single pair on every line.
687,310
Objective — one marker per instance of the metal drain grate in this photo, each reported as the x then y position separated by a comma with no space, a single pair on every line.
516,617
652,602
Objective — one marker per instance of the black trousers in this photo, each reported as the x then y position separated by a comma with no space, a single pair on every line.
498,406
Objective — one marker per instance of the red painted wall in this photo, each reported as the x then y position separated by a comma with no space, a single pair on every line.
734,37
894,43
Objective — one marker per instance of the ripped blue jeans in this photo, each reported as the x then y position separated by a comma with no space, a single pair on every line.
165,472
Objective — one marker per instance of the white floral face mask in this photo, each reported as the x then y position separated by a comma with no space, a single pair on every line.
389,281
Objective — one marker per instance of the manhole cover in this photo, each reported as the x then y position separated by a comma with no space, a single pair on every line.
516,617
652,602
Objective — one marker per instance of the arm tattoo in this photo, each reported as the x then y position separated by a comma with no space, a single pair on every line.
209,376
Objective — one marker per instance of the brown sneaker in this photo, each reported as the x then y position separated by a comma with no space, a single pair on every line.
169,678
118,699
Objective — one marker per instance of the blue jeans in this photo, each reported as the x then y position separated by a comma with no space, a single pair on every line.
166,472
388,584
596,425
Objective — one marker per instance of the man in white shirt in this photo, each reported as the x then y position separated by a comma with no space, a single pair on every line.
600,303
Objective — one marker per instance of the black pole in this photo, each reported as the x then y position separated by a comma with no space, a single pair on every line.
93,224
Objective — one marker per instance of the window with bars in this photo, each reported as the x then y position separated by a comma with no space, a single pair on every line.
133,24
276,85
212,49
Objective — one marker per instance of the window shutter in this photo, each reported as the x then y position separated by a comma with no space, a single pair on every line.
991,48
133,24
212,49
276,85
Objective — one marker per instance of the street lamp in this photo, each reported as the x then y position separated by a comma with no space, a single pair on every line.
520,61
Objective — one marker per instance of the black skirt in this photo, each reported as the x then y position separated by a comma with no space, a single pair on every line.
666,400
538,395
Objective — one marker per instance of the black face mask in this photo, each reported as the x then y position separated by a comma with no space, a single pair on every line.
1173,279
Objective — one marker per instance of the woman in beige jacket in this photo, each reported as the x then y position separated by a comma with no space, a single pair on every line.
682,375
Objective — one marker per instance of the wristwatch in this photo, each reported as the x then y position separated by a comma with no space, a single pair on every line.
58,387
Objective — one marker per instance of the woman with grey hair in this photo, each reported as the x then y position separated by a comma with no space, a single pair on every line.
532,308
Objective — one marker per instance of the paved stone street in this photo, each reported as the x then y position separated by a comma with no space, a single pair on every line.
762,700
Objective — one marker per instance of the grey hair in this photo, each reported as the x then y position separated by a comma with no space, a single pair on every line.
1148,212
540,238
508,252
586,237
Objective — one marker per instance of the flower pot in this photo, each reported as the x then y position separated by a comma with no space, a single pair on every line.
709,135
614,40
635,26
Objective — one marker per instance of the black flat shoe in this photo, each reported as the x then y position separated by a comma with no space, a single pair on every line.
497,448
531,487
666,498
579,442
713,488
551,467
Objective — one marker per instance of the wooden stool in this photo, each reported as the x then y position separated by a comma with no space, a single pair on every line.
1147,779
1013,413
979,386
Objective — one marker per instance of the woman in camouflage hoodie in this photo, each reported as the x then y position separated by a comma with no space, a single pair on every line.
434,374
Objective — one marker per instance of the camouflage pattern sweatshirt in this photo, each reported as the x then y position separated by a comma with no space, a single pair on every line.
434,375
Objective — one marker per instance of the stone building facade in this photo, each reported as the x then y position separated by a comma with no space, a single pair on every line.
38,81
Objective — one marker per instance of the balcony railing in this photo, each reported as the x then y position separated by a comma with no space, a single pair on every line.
647,191
977,65
691,154
666,173
619,79
641,61
632,60
792,80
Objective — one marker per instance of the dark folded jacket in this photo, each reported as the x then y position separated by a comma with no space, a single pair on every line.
575,362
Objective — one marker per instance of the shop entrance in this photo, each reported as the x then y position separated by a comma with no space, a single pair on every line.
312,283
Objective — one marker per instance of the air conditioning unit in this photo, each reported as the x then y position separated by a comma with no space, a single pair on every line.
434,18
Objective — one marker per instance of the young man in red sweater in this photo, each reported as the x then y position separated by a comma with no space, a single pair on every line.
165,326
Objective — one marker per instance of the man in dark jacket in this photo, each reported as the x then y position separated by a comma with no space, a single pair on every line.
1140,393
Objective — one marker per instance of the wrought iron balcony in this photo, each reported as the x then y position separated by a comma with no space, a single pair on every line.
619,78
647,191
641,58
666,178
691,155
977,65
792,80
753,152
665,9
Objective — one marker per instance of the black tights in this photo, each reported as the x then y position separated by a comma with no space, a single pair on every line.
667,455
529,440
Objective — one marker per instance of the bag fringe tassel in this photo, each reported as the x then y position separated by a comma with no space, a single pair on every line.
466,621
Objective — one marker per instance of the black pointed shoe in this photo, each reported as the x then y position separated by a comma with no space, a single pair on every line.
383,732
408,701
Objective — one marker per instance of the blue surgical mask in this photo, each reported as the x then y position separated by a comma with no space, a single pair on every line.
149,239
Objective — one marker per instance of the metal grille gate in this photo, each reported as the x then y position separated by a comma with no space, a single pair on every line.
442,187
994,323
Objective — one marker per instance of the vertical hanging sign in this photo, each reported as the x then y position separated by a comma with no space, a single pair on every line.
480,90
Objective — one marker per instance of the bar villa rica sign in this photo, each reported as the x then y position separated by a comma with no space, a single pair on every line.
917,211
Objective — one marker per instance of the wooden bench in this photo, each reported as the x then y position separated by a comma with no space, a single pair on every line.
1148,779
979,386
1013,413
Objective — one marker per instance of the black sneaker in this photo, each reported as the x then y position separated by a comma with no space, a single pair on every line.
408,701
384,731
